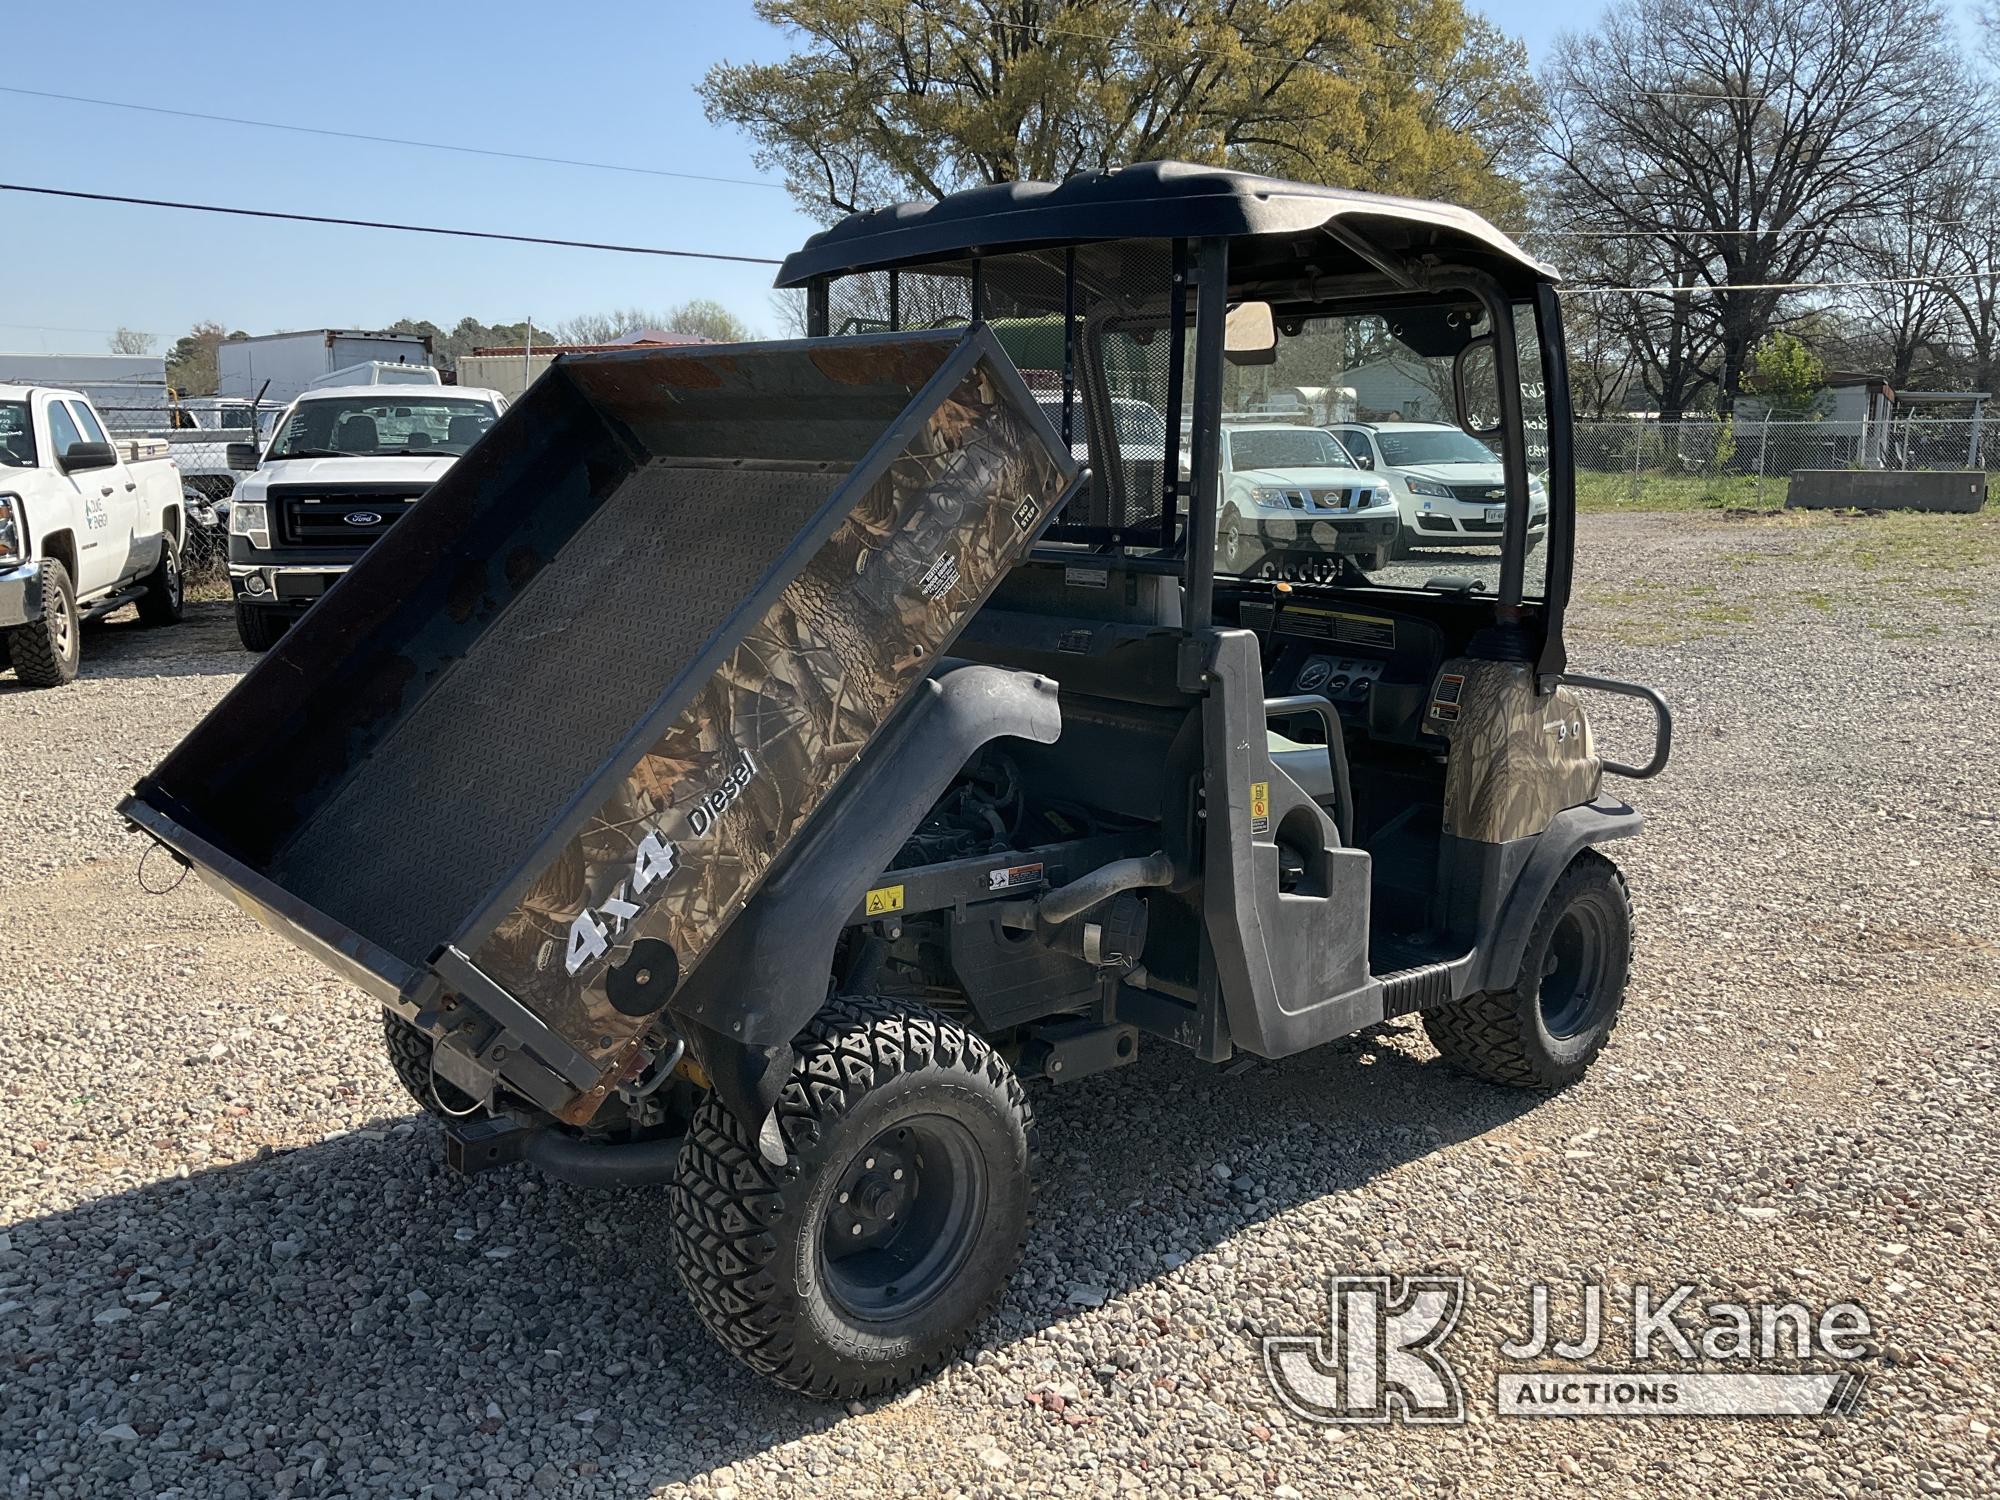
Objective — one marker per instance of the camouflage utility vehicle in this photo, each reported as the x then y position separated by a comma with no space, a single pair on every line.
750,765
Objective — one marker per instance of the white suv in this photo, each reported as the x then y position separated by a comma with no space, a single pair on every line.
1448,485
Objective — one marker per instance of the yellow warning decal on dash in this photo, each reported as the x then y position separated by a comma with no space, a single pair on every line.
1260,807
884,899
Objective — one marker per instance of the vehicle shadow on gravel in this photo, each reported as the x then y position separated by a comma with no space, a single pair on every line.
203,644
351,1305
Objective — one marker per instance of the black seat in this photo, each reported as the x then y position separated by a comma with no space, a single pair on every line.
357,434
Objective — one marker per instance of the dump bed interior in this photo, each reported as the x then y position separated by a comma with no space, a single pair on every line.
417,735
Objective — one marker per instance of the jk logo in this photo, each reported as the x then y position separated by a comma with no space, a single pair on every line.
1379,1357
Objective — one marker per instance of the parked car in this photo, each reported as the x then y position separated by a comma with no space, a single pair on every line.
344,464
1291,490
86,524
1448,485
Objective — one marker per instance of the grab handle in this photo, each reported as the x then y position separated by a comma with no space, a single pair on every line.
1663,722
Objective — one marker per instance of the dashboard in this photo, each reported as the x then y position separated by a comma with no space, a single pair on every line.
1374,667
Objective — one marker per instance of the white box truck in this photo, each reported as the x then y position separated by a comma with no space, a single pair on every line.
293,361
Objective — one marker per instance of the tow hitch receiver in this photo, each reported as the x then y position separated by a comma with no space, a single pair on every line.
474,1146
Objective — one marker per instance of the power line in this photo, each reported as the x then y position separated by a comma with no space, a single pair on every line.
464,234
391,140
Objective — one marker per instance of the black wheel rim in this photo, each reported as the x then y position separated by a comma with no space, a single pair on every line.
1573,991
904,1217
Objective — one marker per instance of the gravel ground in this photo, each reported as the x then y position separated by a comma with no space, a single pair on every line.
231,1262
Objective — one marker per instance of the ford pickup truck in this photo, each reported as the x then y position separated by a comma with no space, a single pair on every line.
344,464
87,524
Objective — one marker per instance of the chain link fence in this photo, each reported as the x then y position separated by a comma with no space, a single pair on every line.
198,432
1751,461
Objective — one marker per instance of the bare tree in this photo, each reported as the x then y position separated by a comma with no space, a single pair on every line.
131,341
1748,141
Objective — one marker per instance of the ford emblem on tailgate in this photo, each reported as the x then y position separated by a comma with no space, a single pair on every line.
362,518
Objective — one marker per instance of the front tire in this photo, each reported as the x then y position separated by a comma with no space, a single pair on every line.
257,628
1545,1031
163,601
866,1261
45,652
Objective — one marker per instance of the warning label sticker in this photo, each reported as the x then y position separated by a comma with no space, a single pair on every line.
1012,876
884,899
1444,703
1260,807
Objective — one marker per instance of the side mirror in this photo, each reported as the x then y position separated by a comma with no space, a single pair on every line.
1250,335
1475,382
79,456
1364,460
241,457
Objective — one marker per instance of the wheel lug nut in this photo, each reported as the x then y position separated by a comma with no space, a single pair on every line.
843,1197
897,1174
868,1165
855,1230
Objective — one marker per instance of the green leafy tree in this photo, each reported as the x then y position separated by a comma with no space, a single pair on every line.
885,100
703,316
1786,376
191,362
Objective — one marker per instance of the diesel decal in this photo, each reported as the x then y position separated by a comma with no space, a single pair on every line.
591,933
702,816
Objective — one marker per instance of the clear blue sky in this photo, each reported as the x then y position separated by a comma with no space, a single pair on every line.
606,80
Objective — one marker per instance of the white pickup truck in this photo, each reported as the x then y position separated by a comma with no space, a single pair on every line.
343,465
86,524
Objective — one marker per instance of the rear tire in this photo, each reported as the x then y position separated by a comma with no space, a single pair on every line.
410,1056
866,1261
45,652
1545,1031
256,628
164,599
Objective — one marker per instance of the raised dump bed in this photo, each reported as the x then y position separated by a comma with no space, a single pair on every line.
590,690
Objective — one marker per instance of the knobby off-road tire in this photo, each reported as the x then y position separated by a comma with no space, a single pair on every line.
163,600
1545,1032
803,1272
45,652
410,1055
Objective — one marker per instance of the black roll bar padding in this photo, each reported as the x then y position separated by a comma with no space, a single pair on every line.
1336,749
1170,461
1514,442
1559,548
1663,722
1211,313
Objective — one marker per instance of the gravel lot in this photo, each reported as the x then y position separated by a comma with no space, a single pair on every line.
232,1264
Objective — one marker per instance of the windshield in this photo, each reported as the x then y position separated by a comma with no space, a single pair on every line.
17,435
1368,381
1286,448
1409,450
1139,425
339,426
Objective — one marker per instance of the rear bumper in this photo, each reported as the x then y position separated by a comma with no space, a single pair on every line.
20,595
